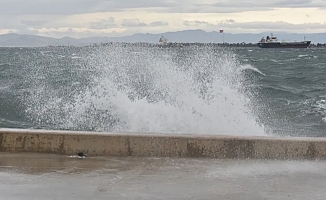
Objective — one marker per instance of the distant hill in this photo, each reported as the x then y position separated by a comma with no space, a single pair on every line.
18,40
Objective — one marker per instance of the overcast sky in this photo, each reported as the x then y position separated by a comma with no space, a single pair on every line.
83,18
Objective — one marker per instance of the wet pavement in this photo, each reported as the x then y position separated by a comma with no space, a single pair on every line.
43,176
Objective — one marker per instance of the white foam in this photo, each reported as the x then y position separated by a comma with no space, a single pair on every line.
155,92
250,67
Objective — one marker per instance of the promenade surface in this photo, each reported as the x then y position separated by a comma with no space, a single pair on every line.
47,176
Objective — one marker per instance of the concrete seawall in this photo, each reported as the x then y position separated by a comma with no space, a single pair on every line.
161,145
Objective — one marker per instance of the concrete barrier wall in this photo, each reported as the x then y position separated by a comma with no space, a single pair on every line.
161,145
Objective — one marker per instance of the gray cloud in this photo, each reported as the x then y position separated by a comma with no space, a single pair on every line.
232,25
26,15
280,25
195,23
232,6
46,7
158,23
256,25
34,23
271,4
230,21
69,7
299,3
64,7
137,23
103,24
133,23
120,5
31,32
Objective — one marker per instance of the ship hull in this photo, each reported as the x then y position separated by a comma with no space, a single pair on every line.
304,44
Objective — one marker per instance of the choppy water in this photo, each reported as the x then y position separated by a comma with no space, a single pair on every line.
248,91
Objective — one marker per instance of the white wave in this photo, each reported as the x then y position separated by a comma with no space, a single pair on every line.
155,91
250,67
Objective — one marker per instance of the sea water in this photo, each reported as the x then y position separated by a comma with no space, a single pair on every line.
134,88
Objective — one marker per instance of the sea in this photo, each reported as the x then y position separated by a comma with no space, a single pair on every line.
181,90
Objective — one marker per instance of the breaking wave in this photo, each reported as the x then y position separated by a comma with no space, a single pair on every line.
137,89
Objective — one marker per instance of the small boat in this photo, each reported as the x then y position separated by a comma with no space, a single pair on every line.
272,42
163,41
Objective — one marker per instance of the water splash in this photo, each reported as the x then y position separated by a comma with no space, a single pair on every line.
250,67
140,89
315,107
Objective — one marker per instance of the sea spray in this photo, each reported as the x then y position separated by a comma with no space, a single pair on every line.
140,89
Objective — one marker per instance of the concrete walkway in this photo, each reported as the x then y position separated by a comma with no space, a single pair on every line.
43,176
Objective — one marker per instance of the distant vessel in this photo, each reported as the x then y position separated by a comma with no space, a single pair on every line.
163,41
272,42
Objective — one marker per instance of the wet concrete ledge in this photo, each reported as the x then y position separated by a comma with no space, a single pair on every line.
161,145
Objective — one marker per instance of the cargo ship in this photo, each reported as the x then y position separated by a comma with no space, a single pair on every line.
272,42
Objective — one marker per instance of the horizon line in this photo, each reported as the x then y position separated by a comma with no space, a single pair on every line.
168,32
